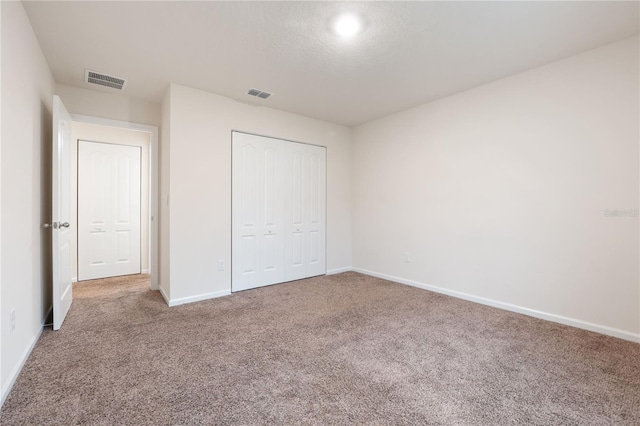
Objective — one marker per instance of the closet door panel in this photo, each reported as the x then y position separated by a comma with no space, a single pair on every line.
249,259
272,212
257,211
295,212
316,208
249,178
245,247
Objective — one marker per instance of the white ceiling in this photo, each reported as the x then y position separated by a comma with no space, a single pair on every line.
408,54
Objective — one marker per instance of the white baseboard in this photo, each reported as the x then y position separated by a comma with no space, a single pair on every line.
339,270
144,271
198,298
165,297
74,279
13,376
602,329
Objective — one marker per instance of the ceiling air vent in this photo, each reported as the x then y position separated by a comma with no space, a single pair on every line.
259,93
104,80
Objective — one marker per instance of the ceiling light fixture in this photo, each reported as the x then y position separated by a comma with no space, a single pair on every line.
347,25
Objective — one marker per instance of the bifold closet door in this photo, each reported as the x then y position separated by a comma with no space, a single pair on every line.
278,211
257,194
305,207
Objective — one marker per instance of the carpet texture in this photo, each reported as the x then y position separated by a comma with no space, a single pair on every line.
341,349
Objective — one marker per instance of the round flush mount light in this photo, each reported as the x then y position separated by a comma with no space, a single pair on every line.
347,25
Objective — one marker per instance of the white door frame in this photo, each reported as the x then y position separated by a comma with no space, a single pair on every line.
153,182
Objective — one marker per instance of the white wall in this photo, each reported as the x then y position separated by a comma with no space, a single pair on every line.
99,133
106,105
2,386
27,91
200,184
165,217
499,192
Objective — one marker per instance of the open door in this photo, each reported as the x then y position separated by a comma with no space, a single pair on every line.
61,201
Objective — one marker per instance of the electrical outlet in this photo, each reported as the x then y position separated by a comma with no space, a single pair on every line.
406,257
12,319
220,264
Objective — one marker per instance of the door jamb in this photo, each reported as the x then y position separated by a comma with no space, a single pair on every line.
153,182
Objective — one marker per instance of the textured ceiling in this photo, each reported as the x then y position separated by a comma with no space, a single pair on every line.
409,53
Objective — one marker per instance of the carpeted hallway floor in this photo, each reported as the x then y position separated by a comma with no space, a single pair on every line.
341,349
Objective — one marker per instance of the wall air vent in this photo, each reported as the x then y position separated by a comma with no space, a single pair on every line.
259,93
104,80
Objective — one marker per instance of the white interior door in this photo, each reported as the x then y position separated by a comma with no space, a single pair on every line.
257,227
278,211
316,210
305,211
108,210
61,202
295,199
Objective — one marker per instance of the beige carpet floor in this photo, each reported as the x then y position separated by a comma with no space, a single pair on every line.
342,349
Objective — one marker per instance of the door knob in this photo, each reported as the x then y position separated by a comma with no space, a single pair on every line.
46,225
64,225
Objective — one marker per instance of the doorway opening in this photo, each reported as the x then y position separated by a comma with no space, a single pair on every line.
114,178
110,288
